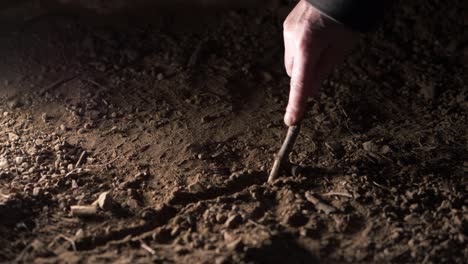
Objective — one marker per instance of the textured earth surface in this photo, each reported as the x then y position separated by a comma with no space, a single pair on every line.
164,133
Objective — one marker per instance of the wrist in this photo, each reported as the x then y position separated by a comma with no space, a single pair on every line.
358,15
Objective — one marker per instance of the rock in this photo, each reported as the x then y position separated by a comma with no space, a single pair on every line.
74,184
104,201
79,234
36,191
160,76
13,137
370,146
222,260
233,221
3,163
220,217
19,160
385,149
45,117
236,245
195,187
14,103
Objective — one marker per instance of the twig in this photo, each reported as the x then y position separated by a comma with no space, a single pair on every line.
319,205
347,195
80,160
147,248
71,241
6,196
283,154
381,186
84,210
22,253
57,84
103,165
196,53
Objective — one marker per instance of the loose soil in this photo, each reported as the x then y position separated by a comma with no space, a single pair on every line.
179,121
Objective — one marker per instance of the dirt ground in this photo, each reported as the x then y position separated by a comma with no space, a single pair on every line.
179,120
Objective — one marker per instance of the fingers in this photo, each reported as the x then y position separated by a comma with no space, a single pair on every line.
304,82
288,53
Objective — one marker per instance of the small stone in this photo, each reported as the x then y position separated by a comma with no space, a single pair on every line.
266,76
15,103
19,160
3,163
36,191
222,260
160,76
385,149
370,146
13,136
233,221
45,117
220,218
195,187
74,184
105,201
79,234
236,245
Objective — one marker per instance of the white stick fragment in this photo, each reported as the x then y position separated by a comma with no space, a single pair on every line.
319,205
83,210
347,195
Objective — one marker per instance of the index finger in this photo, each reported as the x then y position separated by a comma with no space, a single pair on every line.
304,82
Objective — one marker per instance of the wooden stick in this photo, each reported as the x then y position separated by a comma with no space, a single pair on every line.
288,144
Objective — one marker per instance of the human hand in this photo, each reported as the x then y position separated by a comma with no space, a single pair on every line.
314,44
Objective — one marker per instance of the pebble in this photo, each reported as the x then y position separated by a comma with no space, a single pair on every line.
370,146
233,221
3,163
36,191
45,117
195,187
19,160
236,245
160,76
222,260
13,136
105,201
15,103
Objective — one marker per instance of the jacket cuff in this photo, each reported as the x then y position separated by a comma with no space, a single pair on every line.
359,15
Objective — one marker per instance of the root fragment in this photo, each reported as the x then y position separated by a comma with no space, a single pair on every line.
319,205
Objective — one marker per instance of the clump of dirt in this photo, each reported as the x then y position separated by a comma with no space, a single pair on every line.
165,136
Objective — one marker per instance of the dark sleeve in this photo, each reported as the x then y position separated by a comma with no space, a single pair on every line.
359,15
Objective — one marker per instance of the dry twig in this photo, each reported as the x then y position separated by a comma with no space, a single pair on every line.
347,195
319,205
283,154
